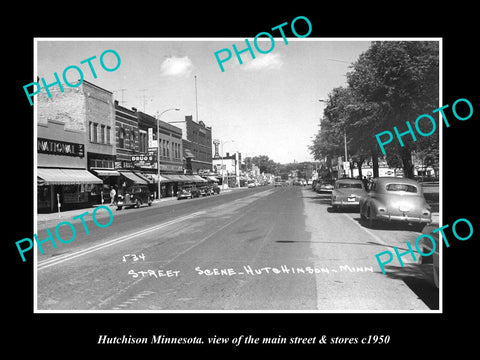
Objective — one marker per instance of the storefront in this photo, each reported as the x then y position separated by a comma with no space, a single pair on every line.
63,189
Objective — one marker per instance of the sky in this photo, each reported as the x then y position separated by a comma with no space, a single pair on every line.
269,105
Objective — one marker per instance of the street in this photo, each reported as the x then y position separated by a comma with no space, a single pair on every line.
266,249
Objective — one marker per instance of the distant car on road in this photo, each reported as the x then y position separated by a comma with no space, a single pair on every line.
135,196
347,193
395,199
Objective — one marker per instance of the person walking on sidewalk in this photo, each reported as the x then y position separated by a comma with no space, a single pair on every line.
112,196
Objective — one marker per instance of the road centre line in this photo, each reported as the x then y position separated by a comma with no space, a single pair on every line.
57,260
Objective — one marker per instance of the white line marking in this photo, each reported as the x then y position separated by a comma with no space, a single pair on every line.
57,260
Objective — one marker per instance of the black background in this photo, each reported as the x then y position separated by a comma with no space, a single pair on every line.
63,335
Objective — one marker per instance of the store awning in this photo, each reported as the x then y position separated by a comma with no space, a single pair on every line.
172,178
133,177
197,178
213,178
58,176
106,172
142,176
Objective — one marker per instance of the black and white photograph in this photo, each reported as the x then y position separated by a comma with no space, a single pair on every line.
170,180
291,180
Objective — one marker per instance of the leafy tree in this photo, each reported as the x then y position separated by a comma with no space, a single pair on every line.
391,83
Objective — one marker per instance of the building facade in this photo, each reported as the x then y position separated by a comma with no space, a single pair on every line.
198,146
227,169
64,148
100,144
171,154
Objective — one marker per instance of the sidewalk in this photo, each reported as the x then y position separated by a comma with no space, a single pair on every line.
45,220
50,219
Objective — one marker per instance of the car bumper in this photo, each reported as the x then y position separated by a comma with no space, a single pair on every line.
412,219
345,203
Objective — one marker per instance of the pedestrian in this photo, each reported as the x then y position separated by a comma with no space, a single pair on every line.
112,196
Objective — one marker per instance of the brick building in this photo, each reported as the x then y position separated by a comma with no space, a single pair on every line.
198,146
68,144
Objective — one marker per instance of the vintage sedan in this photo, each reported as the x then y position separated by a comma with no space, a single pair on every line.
135,196
324,186
347,193
395,199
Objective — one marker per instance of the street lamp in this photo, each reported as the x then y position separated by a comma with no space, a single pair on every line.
158,148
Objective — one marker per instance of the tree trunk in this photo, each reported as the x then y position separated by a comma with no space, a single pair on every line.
406,156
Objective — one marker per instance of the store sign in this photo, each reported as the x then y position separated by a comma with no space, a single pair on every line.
55,147
144,160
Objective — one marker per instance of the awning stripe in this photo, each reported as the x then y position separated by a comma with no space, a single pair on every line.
133,177
58,176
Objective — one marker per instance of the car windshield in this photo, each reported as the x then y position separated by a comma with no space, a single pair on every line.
401,187
349,186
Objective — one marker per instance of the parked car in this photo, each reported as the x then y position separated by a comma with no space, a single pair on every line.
135,195
425,246
204,190
324,186
347,193
216,188
395,199
184,194
188,192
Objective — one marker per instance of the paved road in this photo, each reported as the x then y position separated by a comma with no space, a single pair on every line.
257,249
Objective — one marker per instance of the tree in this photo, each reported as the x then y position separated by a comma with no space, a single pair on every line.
399,81
265,164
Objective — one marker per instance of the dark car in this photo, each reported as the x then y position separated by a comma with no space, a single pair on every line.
135,196
204,190
347,193
188,192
